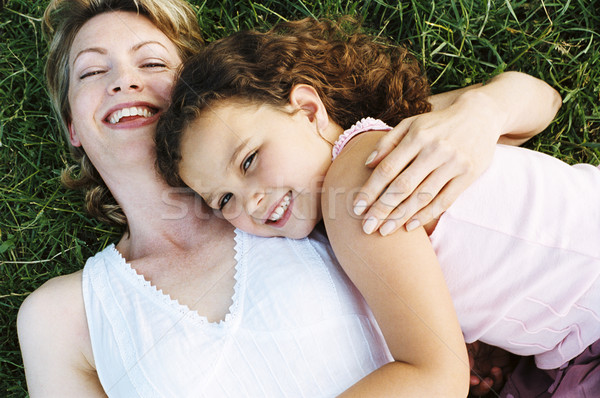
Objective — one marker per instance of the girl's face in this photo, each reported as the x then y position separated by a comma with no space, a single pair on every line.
121,73
262,166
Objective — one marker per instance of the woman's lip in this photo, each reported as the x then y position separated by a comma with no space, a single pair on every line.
138,120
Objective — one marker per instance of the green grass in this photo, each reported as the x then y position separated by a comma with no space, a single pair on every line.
44,233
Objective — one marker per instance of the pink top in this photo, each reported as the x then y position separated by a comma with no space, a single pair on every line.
520,252
365,124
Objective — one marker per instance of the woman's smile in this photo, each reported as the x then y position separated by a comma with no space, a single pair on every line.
132,115
119,82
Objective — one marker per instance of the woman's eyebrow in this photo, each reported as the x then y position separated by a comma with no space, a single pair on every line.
90,50
103,51
147,42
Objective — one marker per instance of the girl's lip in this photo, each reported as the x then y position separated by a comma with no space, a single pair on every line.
135,122
286,215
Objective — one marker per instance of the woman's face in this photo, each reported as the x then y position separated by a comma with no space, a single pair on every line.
122,69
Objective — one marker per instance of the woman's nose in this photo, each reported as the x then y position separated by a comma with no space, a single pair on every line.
126,79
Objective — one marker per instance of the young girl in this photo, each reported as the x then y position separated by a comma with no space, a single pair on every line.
255,123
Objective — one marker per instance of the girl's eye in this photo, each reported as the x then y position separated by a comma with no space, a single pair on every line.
224,200
248,161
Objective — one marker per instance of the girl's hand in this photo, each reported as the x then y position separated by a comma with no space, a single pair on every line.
430,159
490,368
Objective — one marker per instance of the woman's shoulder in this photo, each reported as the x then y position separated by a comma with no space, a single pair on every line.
58,289
57,302
55,341
54,313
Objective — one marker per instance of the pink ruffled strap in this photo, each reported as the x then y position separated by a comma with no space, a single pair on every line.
365,124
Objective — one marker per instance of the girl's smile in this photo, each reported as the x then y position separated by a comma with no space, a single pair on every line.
261,166
282,212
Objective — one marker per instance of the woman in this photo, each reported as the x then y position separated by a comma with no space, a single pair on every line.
110,86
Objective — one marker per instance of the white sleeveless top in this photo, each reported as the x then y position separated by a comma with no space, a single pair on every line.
297,327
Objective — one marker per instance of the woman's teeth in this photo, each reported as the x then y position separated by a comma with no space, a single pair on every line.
133,111
281,209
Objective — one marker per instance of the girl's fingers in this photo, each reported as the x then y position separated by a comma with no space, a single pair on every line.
483,388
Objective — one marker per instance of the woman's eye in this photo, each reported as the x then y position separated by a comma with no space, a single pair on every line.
224,200
91,73
248,161
154,65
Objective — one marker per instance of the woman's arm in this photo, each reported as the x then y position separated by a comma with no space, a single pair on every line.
402,282
432,158
54,340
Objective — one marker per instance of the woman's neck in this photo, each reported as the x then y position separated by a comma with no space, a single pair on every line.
161,218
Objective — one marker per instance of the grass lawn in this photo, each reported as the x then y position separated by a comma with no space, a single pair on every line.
43,231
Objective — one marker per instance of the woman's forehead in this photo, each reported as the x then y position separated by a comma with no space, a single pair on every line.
117,29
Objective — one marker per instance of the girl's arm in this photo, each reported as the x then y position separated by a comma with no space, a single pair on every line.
402,282
439,154
54,340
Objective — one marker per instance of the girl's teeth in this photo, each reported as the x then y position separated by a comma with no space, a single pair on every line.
281,209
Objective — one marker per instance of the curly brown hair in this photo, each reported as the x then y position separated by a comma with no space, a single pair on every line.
62,21
354,75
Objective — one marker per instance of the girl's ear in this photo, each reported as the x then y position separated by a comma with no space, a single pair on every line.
73,138
307,99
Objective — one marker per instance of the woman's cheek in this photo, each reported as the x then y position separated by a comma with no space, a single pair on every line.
166,84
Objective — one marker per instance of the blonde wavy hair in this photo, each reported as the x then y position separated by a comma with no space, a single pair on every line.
61,23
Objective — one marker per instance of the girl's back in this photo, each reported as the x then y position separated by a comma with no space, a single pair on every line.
520,251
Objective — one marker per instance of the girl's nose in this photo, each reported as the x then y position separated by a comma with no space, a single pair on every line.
254,203
127,79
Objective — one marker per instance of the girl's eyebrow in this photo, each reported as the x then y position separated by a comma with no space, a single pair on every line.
237,151
210,196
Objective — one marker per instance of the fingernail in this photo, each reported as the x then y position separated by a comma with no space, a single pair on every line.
387,228
360,207
414,224
369,225
371,157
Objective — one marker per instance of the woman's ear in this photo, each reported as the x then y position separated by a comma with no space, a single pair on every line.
73,138
306,98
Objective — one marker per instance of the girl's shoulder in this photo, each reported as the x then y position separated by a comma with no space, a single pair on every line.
348,169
